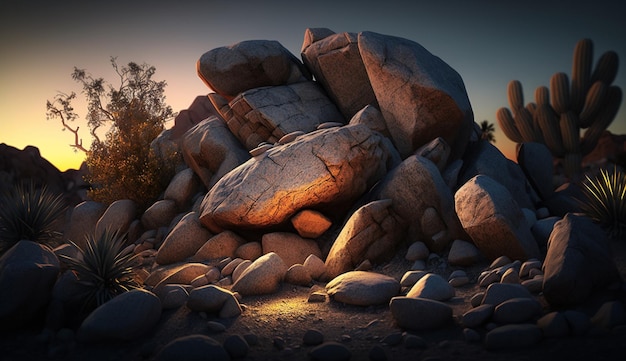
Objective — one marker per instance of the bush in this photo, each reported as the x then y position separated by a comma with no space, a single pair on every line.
605,200
102,268
29,212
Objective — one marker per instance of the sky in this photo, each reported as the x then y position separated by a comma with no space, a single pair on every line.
489,43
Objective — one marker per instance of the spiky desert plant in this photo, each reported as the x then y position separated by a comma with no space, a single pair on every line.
102,268
29,212
605,200
560,113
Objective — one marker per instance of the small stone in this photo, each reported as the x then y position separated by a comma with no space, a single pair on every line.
463,253
393,339
420,313
477,316
230,267
553,324
236,346
377,353
516,310
216,327
315,266
499,292
240,269
199,281
527,266
512,336
417,251
499,262
477,299
418,265
459,281
534,272
471,335
414,342
317,297
366,265
534,285
312,337
298,275
213,275
432,286
330,351
249,251
457,273
510,276
489,278
411,277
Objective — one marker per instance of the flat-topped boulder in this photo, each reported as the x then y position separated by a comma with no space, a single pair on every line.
325,169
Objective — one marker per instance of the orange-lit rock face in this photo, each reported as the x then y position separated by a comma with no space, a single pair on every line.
325,169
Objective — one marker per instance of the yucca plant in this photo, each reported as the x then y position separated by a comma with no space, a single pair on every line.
29,212
605,200
102,269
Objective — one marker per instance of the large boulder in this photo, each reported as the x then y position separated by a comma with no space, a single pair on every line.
485,159
578,262
371,233
269,113
494,221
200,109
336,63
28,272
325,170
126,317
83,221
230,70
184,240
117,217
421,97
211,150
423,200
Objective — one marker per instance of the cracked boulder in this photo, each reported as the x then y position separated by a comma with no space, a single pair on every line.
420,96
336,63
423,200
371,233
494,220
230,70
211,150
326,170
267,114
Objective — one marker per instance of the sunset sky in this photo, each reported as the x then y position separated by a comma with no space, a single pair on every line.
488,42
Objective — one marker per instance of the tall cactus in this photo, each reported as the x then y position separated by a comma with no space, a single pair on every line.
588,101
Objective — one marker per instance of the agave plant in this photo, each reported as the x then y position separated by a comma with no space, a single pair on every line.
28,212
102,268
605,200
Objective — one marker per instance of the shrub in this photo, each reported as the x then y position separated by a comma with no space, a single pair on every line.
102,268
605,200
29,212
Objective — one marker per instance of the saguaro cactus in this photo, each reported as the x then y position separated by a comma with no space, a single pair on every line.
558,114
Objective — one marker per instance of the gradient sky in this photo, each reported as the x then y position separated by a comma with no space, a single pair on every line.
488,42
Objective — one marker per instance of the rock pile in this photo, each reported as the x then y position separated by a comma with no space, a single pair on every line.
314,171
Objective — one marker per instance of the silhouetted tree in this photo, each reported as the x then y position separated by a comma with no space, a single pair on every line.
487,131
121,166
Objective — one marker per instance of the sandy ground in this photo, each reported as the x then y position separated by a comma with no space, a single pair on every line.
287,315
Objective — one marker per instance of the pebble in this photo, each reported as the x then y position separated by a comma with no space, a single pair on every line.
417,251
216,327
463,253
230,267
534,285
393,339
471,335
477,299
488,277
411,277
527,266
236,346
477,316
512,336
366,265
457,273
377,353
553,324
497,293
418,265
432,286
330,351
414,342
510,276
312,337
420,313
499,262
459,281
516,310
317,297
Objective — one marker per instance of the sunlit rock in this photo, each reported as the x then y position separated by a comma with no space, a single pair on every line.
336,63
117,217
363,288
184,240
267,114
200,109
291,248
310,223
159,214
83,221
493,220
372,232
420,96
326,170
221,245
211,150
415,186
230,70
263,276
182,188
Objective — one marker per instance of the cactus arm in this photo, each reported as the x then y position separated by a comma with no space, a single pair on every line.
507,124
595,98
581,73
559,92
